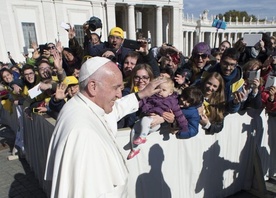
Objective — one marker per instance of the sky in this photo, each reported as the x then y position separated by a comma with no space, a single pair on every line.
261,8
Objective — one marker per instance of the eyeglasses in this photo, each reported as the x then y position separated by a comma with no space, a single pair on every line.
226,64
29,74
143,78
44,68
51,47
203,56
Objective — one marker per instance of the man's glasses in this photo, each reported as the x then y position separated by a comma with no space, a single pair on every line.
143,78
203,56
44,68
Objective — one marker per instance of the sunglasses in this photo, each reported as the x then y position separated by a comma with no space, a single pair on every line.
51,47
203,56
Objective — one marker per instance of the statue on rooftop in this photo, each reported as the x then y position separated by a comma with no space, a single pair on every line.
204,15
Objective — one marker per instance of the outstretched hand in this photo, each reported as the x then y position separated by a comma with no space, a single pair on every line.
61,91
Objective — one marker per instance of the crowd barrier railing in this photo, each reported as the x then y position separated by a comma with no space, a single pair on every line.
239,157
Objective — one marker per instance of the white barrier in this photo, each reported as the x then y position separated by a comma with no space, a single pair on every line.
204,166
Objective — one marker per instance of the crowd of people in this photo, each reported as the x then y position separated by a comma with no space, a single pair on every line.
200,90
222,74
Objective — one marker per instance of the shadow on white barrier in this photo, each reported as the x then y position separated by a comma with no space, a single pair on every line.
204,166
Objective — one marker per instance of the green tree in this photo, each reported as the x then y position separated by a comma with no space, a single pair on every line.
239,14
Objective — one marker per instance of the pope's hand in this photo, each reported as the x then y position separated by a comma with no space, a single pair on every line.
151,88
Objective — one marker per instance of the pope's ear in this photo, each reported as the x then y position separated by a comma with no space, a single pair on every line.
91,87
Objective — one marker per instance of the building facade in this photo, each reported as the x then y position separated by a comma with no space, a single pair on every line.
201,30
25,21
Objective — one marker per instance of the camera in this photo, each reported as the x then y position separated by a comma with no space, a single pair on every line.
94,23
133,44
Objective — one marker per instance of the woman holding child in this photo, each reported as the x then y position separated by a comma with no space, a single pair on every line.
140,76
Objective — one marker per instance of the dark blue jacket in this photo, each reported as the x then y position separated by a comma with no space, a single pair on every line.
193,118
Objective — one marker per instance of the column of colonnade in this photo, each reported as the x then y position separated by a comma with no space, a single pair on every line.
199,36
159,28
186,43
110,16
131,22
211,39
131,32
192,42
189,43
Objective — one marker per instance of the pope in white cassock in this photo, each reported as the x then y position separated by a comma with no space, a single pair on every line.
83,157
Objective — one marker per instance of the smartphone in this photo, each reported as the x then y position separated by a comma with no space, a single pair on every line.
35,110
131,44
42,48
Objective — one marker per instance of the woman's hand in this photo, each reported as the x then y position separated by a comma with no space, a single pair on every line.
16,89
41,110
168,116
180,79
144,47
59,46
272,92
255,85
240,96
204,120
156,119
58,61
71,32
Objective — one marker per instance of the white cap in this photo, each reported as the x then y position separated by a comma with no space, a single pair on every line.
90,66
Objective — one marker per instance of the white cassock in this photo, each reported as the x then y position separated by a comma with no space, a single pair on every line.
83,158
